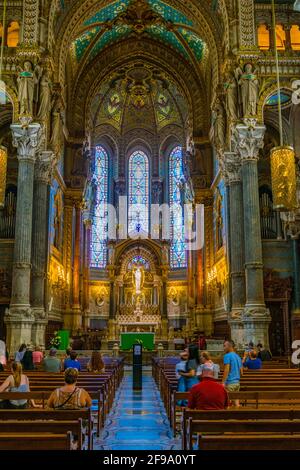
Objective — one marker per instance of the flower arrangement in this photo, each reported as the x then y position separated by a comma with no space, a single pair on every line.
55,341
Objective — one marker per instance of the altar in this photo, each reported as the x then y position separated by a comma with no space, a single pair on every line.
129,339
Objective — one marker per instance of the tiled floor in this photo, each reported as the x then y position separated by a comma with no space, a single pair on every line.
137,420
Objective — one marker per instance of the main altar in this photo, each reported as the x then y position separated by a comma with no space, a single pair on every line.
140,311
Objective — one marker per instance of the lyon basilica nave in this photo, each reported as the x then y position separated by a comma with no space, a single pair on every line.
113,111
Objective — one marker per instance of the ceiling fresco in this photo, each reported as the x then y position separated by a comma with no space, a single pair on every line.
138,96
123,17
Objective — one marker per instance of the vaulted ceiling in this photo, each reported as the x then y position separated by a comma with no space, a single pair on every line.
121,18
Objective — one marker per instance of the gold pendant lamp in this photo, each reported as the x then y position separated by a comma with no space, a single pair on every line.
283,169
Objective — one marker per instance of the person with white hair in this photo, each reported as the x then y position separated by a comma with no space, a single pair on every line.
209,394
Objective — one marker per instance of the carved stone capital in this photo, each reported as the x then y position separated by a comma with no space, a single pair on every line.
249,138
44,167
256,314
27,140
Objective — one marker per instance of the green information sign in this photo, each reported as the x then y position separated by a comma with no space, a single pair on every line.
129,339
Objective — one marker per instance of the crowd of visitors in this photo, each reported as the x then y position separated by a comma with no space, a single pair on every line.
27,358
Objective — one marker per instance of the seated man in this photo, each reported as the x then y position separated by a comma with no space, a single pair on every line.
51,363
208,394
72,362
252,362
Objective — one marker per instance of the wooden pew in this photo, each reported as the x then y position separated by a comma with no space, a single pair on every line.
276,426
252,442
43,397
30,415
46,427
35,441
240,414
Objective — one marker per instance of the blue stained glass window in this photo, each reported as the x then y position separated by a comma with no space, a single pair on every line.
138,194
100,220
138,261
178,258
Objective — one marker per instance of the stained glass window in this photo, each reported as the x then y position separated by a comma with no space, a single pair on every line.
100,220
139,260
138,194
177,233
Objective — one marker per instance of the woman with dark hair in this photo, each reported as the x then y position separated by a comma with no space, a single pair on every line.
27,361
19,354
69,396
190,373
96,363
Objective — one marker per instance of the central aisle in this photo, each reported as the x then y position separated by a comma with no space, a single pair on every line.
137,420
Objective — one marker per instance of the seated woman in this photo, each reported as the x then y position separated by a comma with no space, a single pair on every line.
207,364
17,382
69,397
96,363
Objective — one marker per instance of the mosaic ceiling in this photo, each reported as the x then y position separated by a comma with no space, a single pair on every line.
152,17
138,98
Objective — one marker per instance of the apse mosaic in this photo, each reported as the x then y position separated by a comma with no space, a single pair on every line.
112,106
183,40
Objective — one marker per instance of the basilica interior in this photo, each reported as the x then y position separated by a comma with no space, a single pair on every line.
149,226
112,110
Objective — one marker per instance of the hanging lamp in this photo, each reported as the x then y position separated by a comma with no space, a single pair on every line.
283,169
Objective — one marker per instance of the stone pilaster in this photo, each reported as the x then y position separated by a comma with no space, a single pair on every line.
256,317
43,171
19,317
232,169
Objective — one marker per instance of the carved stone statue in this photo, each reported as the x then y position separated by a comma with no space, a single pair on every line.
218,126
231,88
45,96
57,125
27,82
249,90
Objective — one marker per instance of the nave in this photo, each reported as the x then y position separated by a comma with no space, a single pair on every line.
138,419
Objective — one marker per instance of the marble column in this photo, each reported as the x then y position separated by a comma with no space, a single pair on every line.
256,317
19,317
76,307
86,272
43,170
232,167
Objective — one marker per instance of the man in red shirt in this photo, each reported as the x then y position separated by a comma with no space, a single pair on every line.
208,394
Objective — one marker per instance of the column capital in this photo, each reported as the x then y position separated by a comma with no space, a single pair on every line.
27,140
44,167
249,139
230,167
